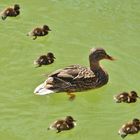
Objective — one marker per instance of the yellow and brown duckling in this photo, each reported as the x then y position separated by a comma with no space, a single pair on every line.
76,78
39,31
130,128
62,125
126,97
45,59
10,12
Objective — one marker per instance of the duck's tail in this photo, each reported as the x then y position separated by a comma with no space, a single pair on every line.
3,16
116,99
30,33
122,133
45,88
42,90
52,85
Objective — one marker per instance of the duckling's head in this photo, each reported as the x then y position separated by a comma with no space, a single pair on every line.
16,7
50,55
134,94
136,121
70,119
97,54
46,27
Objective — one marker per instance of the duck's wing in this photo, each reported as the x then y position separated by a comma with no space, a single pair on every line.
73,72
37,31
122,96
65,79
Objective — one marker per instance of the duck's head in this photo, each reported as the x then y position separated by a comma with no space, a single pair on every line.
69,119
97,54
16,7
46,27
51,55
134,94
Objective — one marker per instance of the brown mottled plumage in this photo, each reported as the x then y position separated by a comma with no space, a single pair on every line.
126,97
10,12
61,125
130,128
77,78
45,59
39,31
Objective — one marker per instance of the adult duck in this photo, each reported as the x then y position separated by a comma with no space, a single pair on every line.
10,12
76,78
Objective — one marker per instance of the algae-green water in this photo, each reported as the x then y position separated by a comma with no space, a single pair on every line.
77,26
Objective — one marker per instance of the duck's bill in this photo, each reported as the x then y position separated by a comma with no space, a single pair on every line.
109,57
41,90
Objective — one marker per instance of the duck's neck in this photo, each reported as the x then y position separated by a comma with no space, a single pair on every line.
70,124
95,65
99,72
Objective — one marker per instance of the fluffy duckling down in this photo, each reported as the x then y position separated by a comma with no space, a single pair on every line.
10,12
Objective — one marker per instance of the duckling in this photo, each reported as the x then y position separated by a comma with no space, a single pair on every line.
76,78
130,128
126,97
61,125
10,12
39,31
45,59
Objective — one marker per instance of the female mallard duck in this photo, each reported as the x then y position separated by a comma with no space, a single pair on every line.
130,128
45,59
126,97
77,78
39,31
61,125
10,12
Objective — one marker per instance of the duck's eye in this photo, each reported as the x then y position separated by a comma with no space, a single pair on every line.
99,55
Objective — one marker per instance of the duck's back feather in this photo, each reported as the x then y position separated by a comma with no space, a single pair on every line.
73,72
73,78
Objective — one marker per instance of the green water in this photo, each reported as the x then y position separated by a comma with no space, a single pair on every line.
77,26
